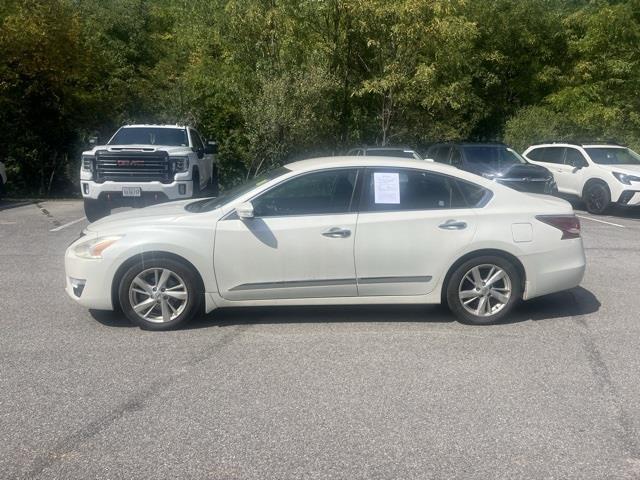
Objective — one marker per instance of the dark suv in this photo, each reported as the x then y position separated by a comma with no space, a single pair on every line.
497,162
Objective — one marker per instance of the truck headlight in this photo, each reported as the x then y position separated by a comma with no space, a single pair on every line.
94,248
625,178
181,164
87,163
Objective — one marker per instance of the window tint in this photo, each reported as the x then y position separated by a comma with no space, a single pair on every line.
474,195
574,158
456,157
197,141
535,154
441,154
402,189
314,193
551,155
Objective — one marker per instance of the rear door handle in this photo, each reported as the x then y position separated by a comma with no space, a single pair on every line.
453,225
337,232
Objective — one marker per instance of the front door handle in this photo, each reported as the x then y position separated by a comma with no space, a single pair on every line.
453,225
337,232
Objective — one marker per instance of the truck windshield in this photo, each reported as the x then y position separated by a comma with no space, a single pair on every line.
170,137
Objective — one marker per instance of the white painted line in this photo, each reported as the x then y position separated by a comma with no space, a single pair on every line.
73,222
601,221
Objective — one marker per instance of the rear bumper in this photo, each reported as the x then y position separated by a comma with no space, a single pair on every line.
556,270
152,192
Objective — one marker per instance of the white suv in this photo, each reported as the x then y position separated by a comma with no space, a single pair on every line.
143,164
599,174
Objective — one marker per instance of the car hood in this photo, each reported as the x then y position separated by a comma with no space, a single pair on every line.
523,170
171,150
628,169
154,215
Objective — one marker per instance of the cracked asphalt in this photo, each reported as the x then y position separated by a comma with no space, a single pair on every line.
398,392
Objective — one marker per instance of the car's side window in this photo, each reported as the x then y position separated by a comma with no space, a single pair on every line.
197,141
388,189
325,192
574,158
552,155
456,157
441,154
535,154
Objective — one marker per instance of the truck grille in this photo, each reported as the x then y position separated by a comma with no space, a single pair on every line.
133,166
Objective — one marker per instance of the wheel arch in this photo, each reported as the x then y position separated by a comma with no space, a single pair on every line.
481,253
148,256
593,181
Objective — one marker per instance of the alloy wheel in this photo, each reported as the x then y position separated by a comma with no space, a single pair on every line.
484,290
158,295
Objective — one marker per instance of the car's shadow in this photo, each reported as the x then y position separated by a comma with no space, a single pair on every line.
571,303
614,211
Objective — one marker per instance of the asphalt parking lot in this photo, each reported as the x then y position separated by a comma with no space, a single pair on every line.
317,393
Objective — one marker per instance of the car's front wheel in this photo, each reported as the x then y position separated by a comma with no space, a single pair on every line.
95,209
597,198
159,294
484,290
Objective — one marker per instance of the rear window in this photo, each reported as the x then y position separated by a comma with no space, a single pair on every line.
390,153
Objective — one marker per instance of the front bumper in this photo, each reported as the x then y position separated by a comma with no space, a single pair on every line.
629,198
154,191
95,277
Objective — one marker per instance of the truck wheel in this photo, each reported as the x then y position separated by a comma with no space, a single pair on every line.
196,184
95,209
213,182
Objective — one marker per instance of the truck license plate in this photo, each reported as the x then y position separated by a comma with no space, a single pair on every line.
131,191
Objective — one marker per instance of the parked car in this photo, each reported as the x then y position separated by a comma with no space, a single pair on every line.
398,152
600,174
342,230
143,164
497,162
3,179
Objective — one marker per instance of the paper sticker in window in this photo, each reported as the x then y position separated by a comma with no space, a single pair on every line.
386,187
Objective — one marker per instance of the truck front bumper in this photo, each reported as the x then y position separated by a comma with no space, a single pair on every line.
150,191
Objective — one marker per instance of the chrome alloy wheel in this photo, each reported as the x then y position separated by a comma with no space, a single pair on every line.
158,295
485,290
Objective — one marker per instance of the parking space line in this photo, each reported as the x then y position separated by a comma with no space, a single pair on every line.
601,221
73,222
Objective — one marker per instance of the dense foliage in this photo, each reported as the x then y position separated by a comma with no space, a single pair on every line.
277,80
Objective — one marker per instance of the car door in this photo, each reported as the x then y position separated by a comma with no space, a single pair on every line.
552,158
205,161
572,171
298,245
410,223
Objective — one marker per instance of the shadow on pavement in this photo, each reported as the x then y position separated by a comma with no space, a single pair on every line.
571,303
8,204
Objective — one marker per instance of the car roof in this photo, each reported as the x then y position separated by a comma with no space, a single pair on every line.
362,161
583,145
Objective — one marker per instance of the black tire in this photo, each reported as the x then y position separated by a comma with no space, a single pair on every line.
597,198
183,273
459,281
213,182
196,184
95,209
1,189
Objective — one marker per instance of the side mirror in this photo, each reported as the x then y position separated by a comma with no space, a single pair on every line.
93,141
211,148
245,211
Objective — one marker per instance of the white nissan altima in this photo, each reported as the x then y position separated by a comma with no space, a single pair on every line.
341,230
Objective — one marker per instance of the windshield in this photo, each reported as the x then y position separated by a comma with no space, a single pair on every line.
392,153
209,204
613,156
494,156
171,137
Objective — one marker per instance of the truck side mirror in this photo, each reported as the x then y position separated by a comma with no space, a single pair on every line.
93,141
211,148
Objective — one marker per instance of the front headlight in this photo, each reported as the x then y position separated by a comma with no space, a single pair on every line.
94,248
625,178
87,163
181,164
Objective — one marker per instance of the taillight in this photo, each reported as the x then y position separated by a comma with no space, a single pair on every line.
569,225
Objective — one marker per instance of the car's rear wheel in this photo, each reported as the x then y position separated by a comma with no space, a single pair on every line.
483,290
159,294
597,198
95,209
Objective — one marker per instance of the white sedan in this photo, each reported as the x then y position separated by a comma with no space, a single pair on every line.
341,230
